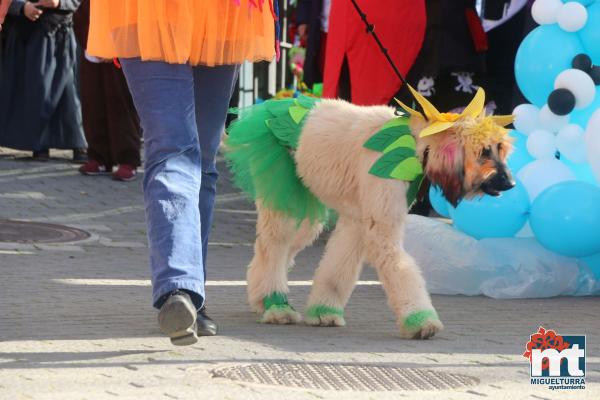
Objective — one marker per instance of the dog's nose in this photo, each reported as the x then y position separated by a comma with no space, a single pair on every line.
502,181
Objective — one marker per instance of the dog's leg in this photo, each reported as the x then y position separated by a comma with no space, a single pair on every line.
306,234
267,272
277,240
336,276
401,280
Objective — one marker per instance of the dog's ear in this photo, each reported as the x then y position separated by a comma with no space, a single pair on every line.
417,123
445,166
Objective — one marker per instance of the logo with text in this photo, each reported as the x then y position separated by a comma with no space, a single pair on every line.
557,361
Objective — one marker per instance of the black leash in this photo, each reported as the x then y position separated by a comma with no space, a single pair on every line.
426,183
371,31
384,50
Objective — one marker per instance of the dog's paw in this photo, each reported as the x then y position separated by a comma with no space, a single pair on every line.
278,311
281,315
321,315
421,325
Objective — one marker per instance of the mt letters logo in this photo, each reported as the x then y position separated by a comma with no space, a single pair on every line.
556,361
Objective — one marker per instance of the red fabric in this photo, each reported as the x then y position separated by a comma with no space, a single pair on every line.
3,9
477,32
400,25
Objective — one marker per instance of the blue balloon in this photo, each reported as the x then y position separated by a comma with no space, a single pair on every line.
520,157
544,53
438,201
582,116
584,2
583,172
565,218
590,33
488,216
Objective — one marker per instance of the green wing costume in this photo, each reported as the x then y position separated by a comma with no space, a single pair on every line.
259,151
399,159
260,146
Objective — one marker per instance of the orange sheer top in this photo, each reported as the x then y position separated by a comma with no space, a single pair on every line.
198,32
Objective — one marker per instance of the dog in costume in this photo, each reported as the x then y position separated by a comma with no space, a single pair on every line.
301,158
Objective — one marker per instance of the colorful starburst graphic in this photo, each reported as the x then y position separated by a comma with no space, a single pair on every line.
545,339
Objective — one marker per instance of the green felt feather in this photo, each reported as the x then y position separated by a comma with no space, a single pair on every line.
399,160
402,141
306,101
279,107
385,137
407,170
413,190
259,153
285,129
297,113
387,163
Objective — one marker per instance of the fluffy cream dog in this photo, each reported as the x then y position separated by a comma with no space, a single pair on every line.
463,154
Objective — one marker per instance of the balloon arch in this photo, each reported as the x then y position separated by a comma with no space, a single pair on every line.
546,229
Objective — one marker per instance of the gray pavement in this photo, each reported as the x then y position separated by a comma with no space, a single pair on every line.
76,320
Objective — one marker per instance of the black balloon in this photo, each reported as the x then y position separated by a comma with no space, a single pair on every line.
582,62
595,75
561,101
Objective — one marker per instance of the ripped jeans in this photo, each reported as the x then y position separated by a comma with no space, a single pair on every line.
182,110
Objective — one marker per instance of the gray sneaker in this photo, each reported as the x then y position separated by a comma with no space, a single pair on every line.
177,319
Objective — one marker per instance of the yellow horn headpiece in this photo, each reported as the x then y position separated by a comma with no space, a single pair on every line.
439,122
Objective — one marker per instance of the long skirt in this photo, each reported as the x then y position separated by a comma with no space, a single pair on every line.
39,102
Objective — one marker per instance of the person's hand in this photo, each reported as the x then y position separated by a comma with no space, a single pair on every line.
303,32
31,12
48,3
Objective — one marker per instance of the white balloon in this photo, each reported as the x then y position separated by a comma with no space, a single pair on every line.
572,17
526,118
541,144
579,83
539,175
570,142
550,121
592,143
546,11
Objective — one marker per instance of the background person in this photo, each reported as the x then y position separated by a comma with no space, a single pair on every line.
110,122
313,24
356,69
3,10
39,103
451,64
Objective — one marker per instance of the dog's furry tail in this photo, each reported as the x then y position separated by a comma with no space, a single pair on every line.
259,151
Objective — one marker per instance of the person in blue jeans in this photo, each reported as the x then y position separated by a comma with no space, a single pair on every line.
181,81
181,139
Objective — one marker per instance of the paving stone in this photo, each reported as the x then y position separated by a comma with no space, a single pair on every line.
78,324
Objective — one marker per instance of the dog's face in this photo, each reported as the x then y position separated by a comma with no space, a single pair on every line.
464,154
468,159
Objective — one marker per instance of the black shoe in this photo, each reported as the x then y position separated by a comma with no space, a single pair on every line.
41,155
79,156
206,326
177,319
